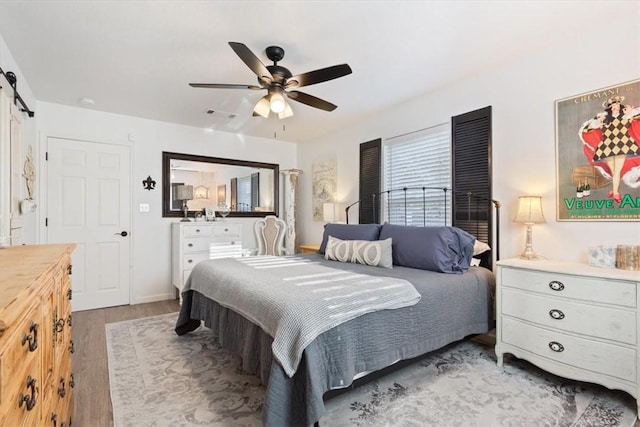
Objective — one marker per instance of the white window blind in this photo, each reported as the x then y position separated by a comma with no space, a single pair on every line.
418,159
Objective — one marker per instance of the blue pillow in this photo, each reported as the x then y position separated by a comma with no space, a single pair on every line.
349,232
442,249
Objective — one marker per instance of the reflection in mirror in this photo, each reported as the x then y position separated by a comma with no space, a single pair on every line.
245,188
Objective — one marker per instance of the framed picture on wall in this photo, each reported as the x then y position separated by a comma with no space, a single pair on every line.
598,155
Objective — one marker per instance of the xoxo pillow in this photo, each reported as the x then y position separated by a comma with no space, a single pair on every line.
376,252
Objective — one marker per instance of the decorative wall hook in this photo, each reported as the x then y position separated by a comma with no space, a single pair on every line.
148,184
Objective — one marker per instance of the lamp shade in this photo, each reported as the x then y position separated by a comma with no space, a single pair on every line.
529,210
331,212
184,192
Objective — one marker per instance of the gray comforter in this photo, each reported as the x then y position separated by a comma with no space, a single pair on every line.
451,308
294,299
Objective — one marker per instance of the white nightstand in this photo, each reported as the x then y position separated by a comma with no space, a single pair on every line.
571,319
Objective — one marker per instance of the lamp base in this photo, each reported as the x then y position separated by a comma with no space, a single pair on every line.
528,247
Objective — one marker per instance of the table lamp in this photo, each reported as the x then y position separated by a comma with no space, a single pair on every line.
184,193
529,212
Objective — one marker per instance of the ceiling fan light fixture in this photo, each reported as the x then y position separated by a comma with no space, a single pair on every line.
262,107
277,103
288,112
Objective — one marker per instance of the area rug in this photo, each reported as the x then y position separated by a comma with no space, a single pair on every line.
160,379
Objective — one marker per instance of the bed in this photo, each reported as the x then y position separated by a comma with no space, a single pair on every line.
451,305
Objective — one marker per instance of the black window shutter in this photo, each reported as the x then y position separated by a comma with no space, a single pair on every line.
234,193
370,176
255,190
471,168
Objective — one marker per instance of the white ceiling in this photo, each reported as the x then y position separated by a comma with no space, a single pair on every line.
137,57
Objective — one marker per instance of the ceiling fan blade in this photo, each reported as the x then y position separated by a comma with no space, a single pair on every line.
224,86
311,100
251,60
318,76
263,107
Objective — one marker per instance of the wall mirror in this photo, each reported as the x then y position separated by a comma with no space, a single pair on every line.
248,189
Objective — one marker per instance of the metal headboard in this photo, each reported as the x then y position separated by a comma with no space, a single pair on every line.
470,212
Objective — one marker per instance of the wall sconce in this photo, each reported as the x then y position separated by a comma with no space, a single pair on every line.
184,193
529,213
200,192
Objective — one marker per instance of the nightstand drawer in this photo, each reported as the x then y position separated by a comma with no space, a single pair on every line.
577,287
612,323
607,359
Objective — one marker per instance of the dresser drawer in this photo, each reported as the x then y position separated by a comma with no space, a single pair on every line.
20,371
612,323
604,291
190,260
212,230
207,245
607,359
198,230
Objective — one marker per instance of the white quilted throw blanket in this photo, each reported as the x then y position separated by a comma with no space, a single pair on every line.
293,299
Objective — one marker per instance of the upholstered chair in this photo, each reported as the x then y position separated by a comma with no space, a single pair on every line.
270,232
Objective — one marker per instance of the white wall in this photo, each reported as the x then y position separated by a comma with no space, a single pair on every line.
150,233
29,130
522,96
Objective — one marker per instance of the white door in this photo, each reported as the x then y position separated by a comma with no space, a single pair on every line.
88,203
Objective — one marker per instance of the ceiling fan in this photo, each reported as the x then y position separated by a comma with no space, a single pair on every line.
278,81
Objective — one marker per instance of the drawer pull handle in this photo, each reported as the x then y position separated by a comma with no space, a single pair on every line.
59,325
190,261
69,294
72,347
62,392
556,346
29,401
197,230
69,320
233,243
190,245
226,229
556,314
554,285
32,338
70,269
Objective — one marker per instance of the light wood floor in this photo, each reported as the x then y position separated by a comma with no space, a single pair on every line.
90,370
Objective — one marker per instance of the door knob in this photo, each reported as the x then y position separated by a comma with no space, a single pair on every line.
123,233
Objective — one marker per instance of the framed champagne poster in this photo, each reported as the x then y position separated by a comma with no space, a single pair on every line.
598,155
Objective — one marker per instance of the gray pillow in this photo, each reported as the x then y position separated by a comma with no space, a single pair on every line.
442,249
350,232
376,253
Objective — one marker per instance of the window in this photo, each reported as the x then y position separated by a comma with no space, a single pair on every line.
418,159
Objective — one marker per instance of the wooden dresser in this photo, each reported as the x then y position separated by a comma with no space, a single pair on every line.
571,319
192,242
36,381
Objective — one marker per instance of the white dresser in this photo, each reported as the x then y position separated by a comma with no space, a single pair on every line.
192,242
571,319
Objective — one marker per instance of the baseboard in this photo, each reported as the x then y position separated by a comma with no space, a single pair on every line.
153,298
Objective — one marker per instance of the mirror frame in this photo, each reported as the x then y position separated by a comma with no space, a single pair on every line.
166,182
